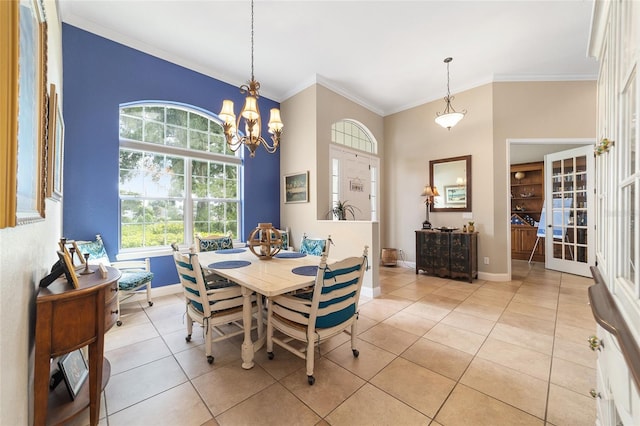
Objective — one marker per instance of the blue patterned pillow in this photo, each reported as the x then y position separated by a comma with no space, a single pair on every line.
314,247
284,236
214,243
96,250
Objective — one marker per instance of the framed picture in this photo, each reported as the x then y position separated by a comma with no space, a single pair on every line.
55,146
455,194
296,188
23,43
74,371
69,268
58,153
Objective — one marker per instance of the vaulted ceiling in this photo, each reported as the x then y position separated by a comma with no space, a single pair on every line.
386,55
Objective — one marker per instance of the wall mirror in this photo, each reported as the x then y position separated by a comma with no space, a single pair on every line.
452,178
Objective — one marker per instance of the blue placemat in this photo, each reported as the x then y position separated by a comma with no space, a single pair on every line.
230,251
310,270
229,264
289,254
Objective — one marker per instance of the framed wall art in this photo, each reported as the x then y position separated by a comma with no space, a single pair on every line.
55,146
68,268
23,112
296,188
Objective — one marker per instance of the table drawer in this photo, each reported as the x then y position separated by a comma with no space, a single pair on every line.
111,292
110,313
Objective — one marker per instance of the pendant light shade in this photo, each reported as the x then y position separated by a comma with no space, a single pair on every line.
449,117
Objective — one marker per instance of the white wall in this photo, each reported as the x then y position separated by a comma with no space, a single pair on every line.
26,254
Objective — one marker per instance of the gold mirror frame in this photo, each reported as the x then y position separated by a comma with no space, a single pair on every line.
455,187
9,84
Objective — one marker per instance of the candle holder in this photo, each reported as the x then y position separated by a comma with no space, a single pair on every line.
86,270
265,241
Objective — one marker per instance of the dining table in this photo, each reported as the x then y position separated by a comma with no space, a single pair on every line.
285,272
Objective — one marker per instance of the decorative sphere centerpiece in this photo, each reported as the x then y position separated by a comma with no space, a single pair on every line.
265,241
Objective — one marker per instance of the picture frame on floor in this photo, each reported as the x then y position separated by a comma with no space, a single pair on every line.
74,371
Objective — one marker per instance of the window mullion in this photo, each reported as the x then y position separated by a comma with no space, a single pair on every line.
188,204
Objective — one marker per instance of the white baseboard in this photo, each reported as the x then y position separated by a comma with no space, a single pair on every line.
371,292
487,276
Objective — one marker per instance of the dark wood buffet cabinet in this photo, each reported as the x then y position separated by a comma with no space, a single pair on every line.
68,319
447,254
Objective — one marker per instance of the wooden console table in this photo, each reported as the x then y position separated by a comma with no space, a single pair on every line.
447,254
68,319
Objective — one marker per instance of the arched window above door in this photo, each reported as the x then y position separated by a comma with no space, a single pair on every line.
354,135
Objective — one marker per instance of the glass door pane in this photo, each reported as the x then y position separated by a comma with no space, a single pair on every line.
568,245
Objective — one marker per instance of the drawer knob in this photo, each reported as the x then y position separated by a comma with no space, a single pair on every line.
115,312
594,394
595,343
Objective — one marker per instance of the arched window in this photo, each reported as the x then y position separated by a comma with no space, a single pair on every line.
354,135
177,176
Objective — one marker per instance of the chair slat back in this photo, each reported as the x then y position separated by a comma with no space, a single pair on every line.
337,291
192,281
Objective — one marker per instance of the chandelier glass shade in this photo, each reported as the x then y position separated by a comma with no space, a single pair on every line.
249,119
449,117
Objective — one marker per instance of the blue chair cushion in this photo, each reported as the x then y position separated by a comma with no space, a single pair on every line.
131,280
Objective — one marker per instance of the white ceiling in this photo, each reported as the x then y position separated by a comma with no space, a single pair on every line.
386,55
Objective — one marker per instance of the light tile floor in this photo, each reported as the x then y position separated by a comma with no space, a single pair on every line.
432,351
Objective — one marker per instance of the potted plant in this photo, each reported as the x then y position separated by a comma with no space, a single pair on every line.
341,208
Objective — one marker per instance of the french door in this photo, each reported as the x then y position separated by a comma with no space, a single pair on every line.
569,201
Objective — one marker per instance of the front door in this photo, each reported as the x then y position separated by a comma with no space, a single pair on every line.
569,218
354,180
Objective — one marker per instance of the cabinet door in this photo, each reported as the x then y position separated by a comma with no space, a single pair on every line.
421,251
438,256
464,255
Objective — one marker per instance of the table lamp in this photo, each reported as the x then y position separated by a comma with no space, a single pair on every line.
429,192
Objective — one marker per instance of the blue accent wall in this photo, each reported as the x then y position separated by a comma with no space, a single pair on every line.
99,75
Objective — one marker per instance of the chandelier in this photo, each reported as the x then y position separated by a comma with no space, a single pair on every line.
251,115
449,117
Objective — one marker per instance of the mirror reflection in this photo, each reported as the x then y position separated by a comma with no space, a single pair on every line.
452,177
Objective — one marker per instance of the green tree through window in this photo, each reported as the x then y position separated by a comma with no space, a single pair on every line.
177,176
